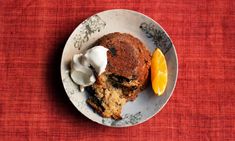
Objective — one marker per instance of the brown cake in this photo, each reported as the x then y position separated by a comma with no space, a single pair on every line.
125,76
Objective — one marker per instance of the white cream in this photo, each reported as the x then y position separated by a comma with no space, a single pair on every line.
81,72
97,57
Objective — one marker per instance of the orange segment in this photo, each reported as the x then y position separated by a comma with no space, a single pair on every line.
158,72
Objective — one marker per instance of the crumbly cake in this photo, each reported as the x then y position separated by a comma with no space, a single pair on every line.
125,76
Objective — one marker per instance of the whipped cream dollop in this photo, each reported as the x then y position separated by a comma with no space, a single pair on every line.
81,72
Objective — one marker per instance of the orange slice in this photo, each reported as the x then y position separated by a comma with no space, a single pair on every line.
158,72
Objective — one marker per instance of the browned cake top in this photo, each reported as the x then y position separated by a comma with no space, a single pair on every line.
127,57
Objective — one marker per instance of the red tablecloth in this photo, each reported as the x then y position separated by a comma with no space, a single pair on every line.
33,103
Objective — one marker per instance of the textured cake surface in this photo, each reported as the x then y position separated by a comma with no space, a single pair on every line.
125,76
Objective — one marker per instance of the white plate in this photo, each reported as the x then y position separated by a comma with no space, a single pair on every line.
150,33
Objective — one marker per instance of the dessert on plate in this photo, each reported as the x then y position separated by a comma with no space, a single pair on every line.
116,70
126,74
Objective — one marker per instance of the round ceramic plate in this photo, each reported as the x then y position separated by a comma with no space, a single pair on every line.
147,104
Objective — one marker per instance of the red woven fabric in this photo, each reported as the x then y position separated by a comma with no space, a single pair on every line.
34,106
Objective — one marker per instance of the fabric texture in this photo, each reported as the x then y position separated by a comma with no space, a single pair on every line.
33,103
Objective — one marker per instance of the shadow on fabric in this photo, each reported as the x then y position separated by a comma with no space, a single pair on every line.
62,107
